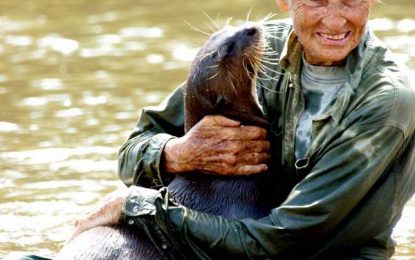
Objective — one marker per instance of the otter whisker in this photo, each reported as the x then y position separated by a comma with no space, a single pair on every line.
212,29
270,54
230,69
267,17
230,74
270,59
249,14
267,77
247,73
271,30
247,70
268,46
269,69
258,46
274,30
271,34
213,66
276,27
202,58
269,62
205,55
264,69
211,20
196,29
214,76
271,90
228,21
231,81
259,78
256,67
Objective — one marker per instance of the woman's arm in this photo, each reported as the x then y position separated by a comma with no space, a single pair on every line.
139,158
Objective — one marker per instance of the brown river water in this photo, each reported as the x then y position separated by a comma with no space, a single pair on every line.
74,75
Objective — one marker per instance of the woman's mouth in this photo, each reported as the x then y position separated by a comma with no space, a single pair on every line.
334,37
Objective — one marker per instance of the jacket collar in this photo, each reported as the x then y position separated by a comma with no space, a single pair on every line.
291,54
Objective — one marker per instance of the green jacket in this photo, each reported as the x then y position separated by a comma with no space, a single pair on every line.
343,199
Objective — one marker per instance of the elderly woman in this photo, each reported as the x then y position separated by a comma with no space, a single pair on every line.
343,120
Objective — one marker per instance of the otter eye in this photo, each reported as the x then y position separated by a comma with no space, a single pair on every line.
231,48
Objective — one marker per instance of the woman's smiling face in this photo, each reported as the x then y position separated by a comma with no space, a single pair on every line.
329,29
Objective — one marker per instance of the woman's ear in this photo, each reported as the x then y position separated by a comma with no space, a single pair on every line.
283,5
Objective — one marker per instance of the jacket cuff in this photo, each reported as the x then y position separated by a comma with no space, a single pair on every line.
140,210
152,160
139,202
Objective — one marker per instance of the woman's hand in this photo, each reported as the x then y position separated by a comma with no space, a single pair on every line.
218,145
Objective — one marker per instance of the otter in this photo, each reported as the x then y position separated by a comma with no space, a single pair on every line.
222,81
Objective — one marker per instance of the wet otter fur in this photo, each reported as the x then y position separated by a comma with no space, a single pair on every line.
222,81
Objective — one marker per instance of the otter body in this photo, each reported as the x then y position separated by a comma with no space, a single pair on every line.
222,81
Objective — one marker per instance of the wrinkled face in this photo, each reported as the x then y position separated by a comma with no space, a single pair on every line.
329,29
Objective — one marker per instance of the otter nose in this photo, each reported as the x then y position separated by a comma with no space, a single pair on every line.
250,31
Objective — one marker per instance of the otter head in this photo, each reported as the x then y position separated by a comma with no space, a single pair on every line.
223,76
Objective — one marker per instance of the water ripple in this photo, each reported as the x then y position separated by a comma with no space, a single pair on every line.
59,44
50,155
108,39
71,112
48,83
19,40
35,101
145,32
386,24
97,100
183,52
8,25
8,127
102,50
106,17
155,58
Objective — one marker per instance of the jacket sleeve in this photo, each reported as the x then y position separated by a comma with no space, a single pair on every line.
139,158
346,178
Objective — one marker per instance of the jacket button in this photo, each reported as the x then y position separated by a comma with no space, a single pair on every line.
136,209
130,222
164,246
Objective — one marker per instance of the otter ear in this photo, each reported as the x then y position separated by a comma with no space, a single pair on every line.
283,5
